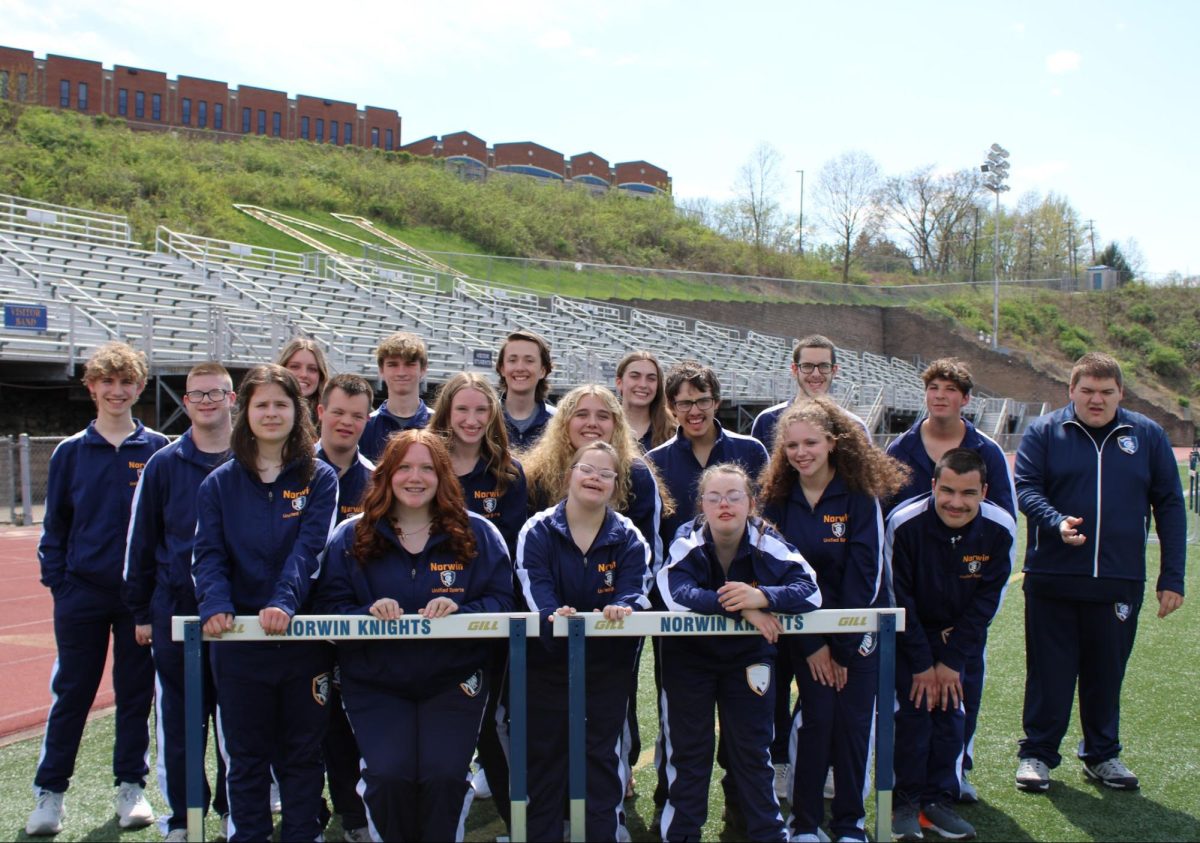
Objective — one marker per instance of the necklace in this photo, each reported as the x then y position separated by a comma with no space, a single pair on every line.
408,534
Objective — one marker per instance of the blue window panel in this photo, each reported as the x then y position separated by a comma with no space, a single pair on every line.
304,128
202,114
156,106
123,101
64,93
276,124
139,104
218,116
185,111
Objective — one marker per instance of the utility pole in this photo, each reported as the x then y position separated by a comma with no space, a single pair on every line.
800,233
996,166
1092,229
975,246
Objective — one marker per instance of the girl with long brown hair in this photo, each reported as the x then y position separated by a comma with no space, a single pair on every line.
640,384
415,706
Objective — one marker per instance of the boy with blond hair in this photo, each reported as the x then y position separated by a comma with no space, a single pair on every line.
403,362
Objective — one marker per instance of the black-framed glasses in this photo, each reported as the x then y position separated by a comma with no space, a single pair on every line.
705,403
214,395
591,471
716,498
823,368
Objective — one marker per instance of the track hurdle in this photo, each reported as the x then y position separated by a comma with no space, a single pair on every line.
884,622
516,627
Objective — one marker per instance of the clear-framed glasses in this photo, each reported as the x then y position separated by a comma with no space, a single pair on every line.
705,403
716,498
591,471
823,368
214,395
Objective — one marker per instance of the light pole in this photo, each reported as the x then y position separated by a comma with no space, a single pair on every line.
996,168
801,238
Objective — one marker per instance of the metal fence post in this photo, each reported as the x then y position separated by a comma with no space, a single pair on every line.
193,712
577,728
26,483
885,729
518,783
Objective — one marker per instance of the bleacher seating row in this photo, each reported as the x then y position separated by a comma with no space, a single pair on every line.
194,298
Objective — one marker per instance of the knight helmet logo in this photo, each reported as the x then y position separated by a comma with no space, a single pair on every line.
447,578
1122,611
298,503
472,684
320,687
839,529
608,579
867,645
974,566
489,505
758,677
1128,444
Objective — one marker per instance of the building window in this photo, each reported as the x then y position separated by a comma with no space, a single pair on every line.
156,107
3,84
304,128
81,101
333,132
388,146
123,101
202,114
276,124
262,121
139,104
320,130
375,137
218,116
22,86
186,111
64,94
347,133
245,121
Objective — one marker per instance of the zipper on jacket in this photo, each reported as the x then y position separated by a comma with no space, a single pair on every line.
1099,485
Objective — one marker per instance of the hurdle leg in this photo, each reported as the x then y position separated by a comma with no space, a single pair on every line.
885,729
577,726
518,785
193,709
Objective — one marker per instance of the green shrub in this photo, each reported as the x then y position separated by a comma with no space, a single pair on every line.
1143,313
1165,361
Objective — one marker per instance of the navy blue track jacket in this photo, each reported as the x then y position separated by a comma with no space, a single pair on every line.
88,499
909,449
554,572
415,669
382,426
680,471
765,560
352,485
1113,487
765,423
949,582
842,539
519,441
257,544
162,528
508,511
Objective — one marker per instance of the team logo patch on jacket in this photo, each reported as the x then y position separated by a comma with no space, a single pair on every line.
489,505
839,529
298,503
321,685
1122,611
473,684
1128,444
608,579
758,677
868,644
447,578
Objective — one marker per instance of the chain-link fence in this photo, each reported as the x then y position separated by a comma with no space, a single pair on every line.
24,467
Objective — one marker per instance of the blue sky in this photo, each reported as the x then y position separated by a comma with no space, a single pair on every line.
1091,100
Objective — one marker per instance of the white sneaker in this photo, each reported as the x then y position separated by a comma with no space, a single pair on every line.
276,799
357,835
176,835
829,791
782,791
480,784
133,811
47,815
1033,775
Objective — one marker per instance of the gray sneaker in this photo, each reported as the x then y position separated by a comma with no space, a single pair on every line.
966,791
47,815
1033,775
357,835
942,818
906,823
1112,773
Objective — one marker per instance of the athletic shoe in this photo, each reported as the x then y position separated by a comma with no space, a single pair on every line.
133,811
176,835
828,793
966,791
1033,775
357,835
782,791
276,799
223,831
819,837
1112,773
906,823
480,784
941,818
47,815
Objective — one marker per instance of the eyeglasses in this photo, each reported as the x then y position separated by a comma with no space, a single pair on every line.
716,498
823,368
705,403
213,395
591,471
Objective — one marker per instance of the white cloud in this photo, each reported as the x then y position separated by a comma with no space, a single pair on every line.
1056,91
1063,61
1018,28
555,39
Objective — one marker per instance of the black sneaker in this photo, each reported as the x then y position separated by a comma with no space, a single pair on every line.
1111,773
906,823
940,817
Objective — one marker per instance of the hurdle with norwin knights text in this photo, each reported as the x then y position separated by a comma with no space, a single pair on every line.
883,622
516,627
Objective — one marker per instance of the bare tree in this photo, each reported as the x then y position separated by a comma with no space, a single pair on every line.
848,196
757,189
934,213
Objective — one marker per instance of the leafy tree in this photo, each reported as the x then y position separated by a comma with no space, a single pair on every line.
1114,258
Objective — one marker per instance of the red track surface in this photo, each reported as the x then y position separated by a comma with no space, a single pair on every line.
27,636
